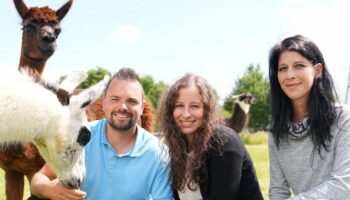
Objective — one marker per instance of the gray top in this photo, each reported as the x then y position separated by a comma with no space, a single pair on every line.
311,177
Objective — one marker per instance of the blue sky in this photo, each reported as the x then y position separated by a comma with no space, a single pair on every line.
217,39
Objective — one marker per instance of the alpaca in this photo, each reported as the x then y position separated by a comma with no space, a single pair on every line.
240,111
23,158
56,130
40,31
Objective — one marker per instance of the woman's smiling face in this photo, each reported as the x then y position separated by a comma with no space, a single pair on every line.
189,111
296,75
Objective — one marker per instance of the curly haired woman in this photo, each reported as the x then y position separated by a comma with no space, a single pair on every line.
207,160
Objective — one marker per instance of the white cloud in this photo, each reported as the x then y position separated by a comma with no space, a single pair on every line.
126,34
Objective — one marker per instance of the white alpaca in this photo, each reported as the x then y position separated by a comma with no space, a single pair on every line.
29,112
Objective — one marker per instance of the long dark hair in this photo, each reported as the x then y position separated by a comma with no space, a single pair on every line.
321,104
177,142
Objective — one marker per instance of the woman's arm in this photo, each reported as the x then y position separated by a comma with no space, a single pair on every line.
338,184
279,187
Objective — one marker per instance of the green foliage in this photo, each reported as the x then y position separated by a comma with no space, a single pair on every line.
153,90
253,81
94,76
224,112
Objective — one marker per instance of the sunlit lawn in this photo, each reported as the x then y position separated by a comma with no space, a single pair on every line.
258,152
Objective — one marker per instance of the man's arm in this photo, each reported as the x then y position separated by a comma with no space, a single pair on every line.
44,184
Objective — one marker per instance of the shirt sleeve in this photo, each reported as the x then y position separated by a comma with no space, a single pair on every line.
161,188
279,186
338,185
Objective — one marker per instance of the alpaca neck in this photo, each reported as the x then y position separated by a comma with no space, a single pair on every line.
238,119
245,107
35,67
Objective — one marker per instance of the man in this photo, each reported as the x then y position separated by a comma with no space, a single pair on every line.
123,161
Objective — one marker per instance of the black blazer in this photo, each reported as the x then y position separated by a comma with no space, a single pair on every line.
231,174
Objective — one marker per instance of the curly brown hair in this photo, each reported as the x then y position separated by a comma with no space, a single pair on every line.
177,142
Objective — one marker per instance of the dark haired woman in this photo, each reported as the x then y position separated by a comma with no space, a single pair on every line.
207,161
309,141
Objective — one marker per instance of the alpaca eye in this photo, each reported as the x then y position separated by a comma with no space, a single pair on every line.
57,31
29,28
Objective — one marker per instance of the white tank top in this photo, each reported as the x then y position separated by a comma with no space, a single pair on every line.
188,194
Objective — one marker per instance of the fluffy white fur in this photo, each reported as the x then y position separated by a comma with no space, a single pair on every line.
29,112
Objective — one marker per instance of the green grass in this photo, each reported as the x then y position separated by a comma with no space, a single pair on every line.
258,152
259,137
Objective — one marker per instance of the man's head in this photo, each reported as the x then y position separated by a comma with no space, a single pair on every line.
123,100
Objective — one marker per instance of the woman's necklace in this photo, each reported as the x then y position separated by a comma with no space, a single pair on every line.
299,130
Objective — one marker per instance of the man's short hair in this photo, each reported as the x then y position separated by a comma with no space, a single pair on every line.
127,74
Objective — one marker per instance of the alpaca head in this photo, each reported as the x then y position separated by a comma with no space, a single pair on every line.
63,150
40,31
244,100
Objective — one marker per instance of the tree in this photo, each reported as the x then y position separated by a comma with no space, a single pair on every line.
153,90
255,82
94,76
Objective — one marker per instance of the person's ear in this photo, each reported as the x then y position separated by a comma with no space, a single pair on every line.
319,69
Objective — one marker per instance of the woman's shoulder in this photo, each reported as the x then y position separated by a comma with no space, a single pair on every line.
227,139
343,112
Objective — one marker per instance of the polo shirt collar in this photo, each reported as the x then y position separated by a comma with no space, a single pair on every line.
136,150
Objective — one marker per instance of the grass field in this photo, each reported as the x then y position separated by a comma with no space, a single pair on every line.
258,152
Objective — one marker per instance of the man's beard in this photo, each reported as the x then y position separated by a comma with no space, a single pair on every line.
121,126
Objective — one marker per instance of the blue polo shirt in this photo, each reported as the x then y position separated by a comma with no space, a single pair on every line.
138,175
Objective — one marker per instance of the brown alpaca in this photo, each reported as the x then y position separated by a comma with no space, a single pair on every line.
40,31
240,111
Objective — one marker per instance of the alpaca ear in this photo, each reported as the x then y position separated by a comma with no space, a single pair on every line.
72,81
233,97
21,7
91,94
64,10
